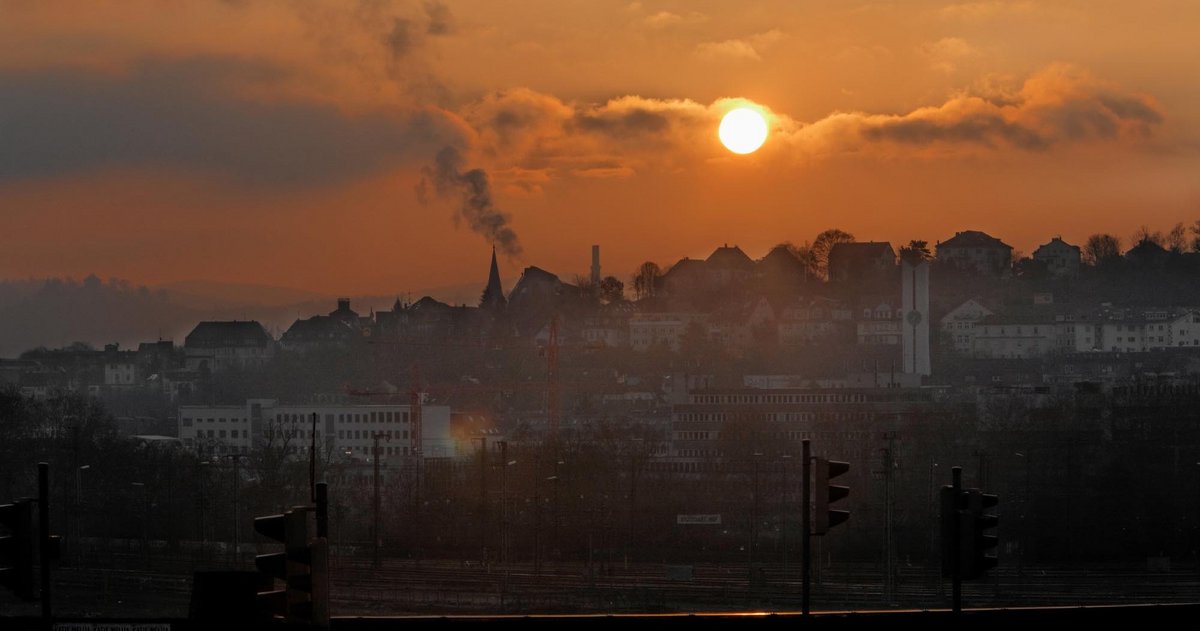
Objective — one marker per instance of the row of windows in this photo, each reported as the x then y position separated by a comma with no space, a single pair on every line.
696,435
357,417
187,421
220,433
779,398
364,434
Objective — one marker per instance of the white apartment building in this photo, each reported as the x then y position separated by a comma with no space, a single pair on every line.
343,430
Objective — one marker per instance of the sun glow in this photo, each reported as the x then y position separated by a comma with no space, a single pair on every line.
743,130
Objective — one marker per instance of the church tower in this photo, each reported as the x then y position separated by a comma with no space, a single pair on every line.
493,295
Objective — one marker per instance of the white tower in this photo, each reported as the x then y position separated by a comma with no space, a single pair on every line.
915,306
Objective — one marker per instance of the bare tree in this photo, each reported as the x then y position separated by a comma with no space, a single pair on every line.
645,279
1143,235
1100,248
1177,239
612,289
819,252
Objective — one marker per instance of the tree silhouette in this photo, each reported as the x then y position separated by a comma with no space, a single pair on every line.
645,279
819,252
1100,248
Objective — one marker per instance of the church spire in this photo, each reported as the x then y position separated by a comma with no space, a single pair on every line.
493,295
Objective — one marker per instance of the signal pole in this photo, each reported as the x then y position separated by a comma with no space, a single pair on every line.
44,536
376,536
806,522
956,548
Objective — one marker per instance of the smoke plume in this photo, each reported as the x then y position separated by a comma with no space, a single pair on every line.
474,192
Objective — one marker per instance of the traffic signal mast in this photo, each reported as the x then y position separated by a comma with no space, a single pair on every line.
16,548
302,567
968,546
825,517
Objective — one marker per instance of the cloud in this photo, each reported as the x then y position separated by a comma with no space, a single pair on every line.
1059,105
739,49
667,19
945,54
400,40
632,134
193,115
986,10
441,22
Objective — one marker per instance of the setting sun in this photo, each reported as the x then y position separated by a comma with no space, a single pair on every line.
743,130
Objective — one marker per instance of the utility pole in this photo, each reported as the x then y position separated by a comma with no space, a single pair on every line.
783,513
312,461
504,505
956,548
806,523
376,535
537,517
889,582
44,537
552,406
237,514
483,529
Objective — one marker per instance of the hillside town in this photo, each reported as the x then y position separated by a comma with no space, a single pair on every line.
688,379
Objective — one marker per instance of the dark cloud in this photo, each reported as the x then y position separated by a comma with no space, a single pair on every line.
400,41
624,123
440,20
1130,108
185,114
1057,105
473,191
985,129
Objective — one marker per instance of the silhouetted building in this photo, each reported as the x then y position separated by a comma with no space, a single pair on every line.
860,261
1147,254
1061,258
977,251
780,271
341,327
220,345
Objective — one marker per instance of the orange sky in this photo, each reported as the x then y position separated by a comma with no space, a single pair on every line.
284,143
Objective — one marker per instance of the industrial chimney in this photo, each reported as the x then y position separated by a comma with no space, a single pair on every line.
596,265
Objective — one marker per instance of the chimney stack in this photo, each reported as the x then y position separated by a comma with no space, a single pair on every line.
596,265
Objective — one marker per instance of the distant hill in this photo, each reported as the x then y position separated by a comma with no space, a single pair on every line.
206,294
55,312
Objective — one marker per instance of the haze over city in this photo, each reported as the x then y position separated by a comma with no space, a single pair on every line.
360,314
285,144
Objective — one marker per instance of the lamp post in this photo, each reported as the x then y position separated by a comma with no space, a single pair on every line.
145,521
554,478
933,526
79,503
750,547
783,512
1024,512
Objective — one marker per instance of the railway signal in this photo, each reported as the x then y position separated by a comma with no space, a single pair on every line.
16,548
826,494
302,567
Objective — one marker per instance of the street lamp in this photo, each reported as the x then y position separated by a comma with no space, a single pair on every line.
753,544
79,503
783,512
145,521
1024,512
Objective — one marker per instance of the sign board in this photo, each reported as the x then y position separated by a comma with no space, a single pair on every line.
705,520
